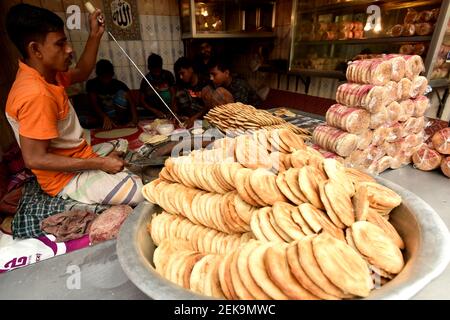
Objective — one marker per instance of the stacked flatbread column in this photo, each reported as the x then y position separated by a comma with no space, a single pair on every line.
379,120
239,118
265,216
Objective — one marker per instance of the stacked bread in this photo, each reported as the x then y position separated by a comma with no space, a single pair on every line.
379,120
239,118
420,23
243,221
436,154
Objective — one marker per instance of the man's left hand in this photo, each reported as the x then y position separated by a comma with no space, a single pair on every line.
116,154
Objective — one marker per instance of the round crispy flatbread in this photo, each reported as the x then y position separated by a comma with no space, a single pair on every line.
251,192
244,226
357,176
161,255
277,268
313,271
224,217
116,133
381,197
309,179
375,218
286,237
336,172
174,257
263,182
342,265
340,202
239,179
240,225
293,141
243,209
255,225
301,276
328,208
292,181
250,154
189,265
179,267
284,188
281,213
244,271
148,190
259,273
309,212
266,227
298,219
199,272
211,282
225,277
360,203
377,246
238,284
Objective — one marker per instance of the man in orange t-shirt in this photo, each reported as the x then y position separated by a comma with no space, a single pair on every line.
44,122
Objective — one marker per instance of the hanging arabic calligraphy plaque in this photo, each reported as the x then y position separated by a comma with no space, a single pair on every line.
122,19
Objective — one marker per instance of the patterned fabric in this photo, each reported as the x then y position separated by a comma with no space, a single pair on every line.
96,186
36,205
68,225
19,179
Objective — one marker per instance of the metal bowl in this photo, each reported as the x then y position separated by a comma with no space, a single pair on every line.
425,235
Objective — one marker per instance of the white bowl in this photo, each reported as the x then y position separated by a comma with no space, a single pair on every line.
165,129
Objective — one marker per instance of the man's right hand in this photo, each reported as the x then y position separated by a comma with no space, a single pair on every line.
108,124
112,163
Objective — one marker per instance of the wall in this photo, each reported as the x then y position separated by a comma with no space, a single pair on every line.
160,32
7,74
321,87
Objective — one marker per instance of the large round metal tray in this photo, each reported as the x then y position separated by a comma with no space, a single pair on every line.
426,238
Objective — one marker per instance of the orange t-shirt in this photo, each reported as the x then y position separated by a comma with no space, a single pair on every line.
39,110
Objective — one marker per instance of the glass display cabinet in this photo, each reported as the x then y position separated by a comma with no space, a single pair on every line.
227,18
327,34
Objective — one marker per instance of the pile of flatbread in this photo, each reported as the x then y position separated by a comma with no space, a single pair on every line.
240,118
154,139
246,227
116,133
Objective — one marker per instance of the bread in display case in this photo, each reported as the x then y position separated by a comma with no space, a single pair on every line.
227,18
328,34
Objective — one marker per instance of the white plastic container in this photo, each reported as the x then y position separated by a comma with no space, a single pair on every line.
165,129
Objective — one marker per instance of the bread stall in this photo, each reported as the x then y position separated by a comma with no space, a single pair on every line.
267,211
